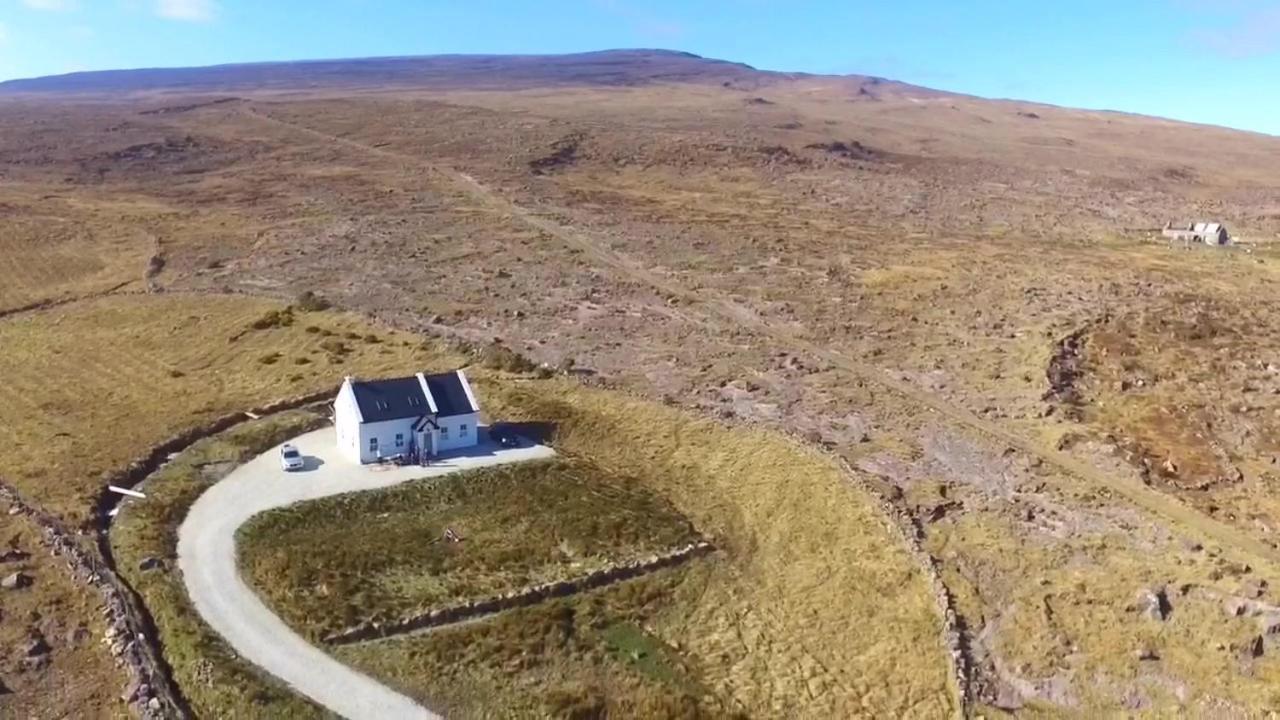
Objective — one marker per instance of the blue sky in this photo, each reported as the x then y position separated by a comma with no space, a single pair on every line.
1213,61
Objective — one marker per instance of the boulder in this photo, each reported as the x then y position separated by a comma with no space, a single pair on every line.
135,691
1253,589
78,635
36,646
13,555
16,581
1256,647
1154,603
1008,699
150,563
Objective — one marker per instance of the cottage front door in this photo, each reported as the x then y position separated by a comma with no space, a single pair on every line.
426,441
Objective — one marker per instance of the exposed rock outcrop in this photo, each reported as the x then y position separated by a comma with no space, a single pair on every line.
16,581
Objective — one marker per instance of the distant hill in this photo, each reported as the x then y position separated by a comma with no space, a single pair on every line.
608,67
495,72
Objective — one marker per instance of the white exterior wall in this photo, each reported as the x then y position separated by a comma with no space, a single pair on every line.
346,420
454,438
386,433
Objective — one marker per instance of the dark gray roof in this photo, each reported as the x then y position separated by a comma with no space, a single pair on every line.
451,398
400,398
393,399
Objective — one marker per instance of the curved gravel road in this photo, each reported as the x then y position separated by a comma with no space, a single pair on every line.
207,557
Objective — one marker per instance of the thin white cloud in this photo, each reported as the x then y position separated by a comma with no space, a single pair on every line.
1236,28
187,10
642,21
1256,34
51,5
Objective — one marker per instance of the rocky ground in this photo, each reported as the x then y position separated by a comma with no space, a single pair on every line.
60,607
53,631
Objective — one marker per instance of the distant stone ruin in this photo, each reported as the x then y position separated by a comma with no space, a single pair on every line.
1208,233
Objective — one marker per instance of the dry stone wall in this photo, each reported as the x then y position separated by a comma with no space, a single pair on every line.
520,598
129,634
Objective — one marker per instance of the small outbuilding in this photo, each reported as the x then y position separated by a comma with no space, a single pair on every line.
417,416
1209,233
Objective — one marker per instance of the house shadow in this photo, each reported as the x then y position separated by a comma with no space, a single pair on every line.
539,432
527,434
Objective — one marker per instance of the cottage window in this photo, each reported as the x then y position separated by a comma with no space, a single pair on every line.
399,439
373,444
444,431
462,429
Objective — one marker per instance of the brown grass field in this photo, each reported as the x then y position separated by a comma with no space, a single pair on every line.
882,271
148,366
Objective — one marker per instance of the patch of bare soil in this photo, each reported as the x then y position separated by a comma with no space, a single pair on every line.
1065,367
1190,389
172,155
562,155
852,150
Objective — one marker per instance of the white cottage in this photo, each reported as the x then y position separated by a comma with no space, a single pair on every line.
427,414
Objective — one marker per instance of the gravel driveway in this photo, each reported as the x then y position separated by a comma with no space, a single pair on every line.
207,557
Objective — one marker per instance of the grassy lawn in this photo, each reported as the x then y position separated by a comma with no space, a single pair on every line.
579,657
330,564
811,606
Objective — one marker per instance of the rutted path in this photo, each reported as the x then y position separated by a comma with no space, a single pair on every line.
207,558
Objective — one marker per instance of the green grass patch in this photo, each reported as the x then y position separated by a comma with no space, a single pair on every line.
639,650
326,565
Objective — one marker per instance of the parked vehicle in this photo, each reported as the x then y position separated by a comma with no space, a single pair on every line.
290,458
504,435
